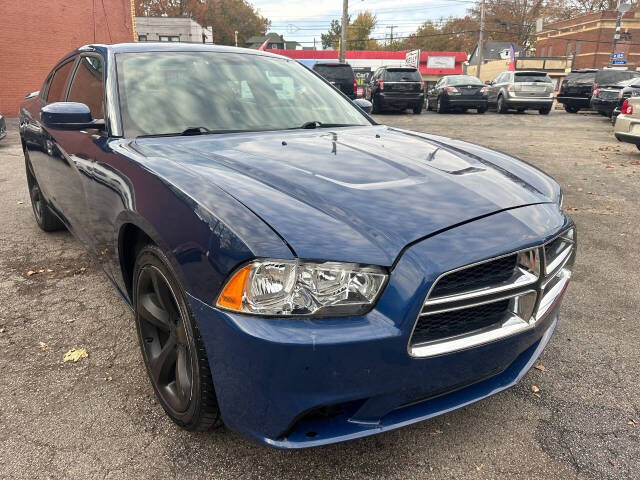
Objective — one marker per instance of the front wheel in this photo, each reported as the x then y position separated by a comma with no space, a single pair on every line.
171,346
45,218
440,108
638,147
570,109
417,109
481,110
545,110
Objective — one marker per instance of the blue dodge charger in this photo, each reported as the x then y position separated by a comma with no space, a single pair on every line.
296,270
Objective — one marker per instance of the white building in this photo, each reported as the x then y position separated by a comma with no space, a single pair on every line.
172,29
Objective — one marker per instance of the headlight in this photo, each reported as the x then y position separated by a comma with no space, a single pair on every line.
292,288
560,198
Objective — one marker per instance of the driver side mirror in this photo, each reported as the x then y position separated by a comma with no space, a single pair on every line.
364,105
69,116
488,83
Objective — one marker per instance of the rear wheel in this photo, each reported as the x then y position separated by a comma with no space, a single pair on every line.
171,346
545,110
481,110
570,108
417,109
638,147
502,106
376,106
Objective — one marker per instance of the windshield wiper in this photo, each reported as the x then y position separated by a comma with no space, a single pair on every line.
317,124
195,131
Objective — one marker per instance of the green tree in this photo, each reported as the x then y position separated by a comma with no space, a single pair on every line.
331,39
225,16
359,32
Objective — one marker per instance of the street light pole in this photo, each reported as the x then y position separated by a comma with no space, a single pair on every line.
343,30
481,41
623,7
236,37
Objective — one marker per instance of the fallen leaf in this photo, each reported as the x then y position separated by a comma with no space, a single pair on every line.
635,163
571,209
575,164
436,432
2,330
537,395
579,189
49,270
535,389
30,272
479,467
632,422
540,367
41,270
608,166
42,346
74,355
20,203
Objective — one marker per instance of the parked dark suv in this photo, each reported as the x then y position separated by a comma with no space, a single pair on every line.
340,75
397,88
578,87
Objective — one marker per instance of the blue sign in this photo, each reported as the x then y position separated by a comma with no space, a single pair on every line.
618,55
619,62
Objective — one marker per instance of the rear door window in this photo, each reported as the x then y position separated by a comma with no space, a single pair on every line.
533,77
402,75
58,83
87,85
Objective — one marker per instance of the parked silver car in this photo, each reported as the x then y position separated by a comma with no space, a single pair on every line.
521,90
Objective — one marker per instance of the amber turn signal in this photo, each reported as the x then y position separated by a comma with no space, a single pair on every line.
231,295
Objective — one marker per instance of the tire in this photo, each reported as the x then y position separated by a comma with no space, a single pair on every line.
440,108
521,110
171,346
45,218
545,111
638,147
570,109
501,107
481,110
417,109
376,106
429,106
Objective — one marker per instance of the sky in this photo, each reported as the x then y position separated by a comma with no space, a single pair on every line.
302,20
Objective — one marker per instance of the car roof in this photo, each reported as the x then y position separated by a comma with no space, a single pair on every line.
141,47
331,64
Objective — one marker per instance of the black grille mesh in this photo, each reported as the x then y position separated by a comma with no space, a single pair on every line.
484,275
457,322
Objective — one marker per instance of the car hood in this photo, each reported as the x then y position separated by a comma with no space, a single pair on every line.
357,194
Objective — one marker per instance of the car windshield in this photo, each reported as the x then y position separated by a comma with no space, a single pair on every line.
532,77
463,80
402,75
337,72
163,93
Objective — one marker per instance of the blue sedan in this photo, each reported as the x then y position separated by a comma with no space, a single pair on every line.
296,270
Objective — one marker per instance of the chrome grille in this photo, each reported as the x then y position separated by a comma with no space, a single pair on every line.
493,299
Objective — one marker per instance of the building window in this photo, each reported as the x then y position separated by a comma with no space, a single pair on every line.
169,38
142,38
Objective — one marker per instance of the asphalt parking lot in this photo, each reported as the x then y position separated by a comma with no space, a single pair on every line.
98,418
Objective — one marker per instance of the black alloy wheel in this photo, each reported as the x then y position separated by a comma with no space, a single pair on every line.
171,346
45,218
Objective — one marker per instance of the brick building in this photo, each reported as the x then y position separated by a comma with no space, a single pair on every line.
35,35
588,39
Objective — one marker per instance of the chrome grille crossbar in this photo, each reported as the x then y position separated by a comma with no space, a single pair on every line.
466,318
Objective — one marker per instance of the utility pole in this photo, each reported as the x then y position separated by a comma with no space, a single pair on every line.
236,37
623,7
343,30
391,27
481,41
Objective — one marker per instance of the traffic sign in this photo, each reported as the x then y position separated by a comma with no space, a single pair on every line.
618,55
619,62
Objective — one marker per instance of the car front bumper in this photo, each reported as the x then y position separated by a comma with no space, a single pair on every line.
295,383
627,129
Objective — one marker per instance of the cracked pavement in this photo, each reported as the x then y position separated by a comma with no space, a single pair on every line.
98,418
